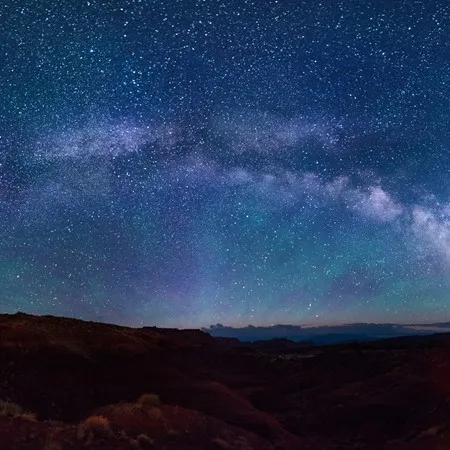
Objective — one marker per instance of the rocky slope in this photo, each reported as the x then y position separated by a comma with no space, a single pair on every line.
83,383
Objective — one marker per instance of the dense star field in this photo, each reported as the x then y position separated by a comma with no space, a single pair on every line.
182,163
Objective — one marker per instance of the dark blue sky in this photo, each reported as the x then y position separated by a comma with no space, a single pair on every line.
192,162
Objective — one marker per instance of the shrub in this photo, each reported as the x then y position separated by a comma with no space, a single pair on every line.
52,445
240,443
222,444
155,414
145,441
94,427
148,400
10,409
173,434
123,435
134,444
31,417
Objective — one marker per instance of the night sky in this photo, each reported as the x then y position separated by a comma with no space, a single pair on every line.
184,163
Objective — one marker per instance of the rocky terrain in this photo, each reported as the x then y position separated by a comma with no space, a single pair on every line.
69,384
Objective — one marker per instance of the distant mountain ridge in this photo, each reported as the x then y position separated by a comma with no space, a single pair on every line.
324,335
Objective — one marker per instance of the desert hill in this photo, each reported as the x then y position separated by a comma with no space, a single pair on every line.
70,384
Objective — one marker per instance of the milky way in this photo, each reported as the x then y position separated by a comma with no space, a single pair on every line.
183,163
